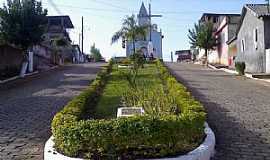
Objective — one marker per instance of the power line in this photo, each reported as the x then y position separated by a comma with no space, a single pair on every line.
110,4
122,10
91,9
54,6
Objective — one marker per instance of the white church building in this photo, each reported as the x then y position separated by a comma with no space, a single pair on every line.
151,46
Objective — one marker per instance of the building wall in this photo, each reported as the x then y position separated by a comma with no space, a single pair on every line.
267,32
213,56
42,51
222,48
254,58
10,57
138,46
232,52
157,44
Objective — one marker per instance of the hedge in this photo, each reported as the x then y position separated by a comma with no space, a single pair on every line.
147,136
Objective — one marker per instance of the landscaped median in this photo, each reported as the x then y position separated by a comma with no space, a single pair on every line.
173,123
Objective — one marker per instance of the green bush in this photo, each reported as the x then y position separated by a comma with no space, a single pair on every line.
149,136
134,137
75,110
240,67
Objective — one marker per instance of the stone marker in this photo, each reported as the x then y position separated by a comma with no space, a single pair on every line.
129,111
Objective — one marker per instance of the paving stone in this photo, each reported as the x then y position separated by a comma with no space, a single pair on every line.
29,105
238,110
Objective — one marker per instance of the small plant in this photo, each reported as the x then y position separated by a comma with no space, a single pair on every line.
125,62
240,67
137,62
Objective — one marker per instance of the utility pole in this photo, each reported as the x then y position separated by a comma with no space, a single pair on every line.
82,38
172,56
268,4
150,19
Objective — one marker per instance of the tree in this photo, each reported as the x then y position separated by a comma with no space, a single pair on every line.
95,53
130,31
23,23
202,36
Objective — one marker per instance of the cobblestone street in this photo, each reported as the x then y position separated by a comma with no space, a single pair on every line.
28,106
238,110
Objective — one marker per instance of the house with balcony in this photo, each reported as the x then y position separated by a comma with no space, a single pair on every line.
57,29
225,26
225,32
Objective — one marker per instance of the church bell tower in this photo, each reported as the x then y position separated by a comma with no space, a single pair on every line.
143,16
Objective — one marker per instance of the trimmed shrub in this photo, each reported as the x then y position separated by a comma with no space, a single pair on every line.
131,138
75,110
149,136
240,67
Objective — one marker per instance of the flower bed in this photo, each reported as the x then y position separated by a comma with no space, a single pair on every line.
175,130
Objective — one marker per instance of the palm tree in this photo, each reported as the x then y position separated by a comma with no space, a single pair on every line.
130,31
202,36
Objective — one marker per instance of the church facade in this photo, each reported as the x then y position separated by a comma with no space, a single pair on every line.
151,46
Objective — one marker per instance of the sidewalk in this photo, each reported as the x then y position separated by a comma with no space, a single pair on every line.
17,77
248,75
14,81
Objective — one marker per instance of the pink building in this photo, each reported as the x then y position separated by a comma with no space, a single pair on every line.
224,33
225,26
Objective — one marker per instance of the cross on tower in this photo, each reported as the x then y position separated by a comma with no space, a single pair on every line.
150,19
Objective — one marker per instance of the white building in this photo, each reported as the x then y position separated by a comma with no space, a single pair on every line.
152,44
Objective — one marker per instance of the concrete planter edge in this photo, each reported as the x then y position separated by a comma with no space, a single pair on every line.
204,152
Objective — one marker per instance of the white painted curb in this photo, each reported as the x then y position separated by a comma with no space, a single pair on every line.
204,152
234,72
17,77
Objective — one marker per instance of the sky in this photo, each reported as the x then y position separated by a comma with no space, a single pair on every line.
102,18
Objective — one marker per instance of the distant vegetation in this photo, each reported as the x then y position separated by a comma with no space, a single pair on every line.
95,53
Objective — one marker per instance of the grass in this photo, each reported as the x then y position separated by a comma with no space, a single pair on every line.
118,85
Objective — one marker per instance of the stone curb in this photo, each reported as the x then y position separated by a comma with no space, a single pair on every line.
204,152
234,72
28,74
17,77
